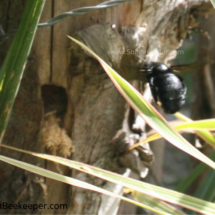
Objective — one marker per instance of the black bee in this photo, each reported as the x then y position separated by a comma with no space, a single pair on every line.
168,89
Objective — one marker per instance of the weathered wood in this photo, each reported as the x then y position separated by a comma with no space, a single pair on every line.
93,115
203,85
24,127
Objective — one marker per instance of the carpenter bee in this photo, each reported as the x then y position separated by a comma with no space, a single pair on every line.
168,89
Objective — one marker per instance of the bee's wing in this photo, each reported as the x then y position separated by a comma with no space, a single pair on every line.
187,68
132,71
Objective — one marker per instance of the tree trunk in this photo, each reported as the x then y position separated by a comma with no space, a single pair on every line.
203,105
67,106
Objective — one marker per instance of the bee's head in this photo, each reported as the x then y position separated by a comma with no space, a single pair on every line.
155,68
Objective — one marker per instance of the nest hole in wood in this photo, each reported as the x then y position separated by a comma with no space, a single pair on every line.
54,99
53,134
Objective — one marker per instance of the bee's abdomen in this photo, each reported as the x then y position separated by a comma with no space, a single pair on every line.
171,91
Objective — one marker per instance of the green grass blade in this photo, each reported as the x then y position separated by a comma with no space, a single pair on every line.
164,194
206,190
213,3
14,64
207,136
195,173
202,125
147,111
208,124
70,181
156,204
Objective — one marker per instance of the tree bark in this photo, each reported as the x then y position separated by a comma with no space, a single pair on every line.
203,105
67,106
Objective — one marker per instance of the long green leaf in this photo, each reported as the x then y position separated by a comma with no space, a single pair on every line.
208,124
148,189
14,64
194,174
213,3
147,111
206,189
69,180
203,125
155,203
205,135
